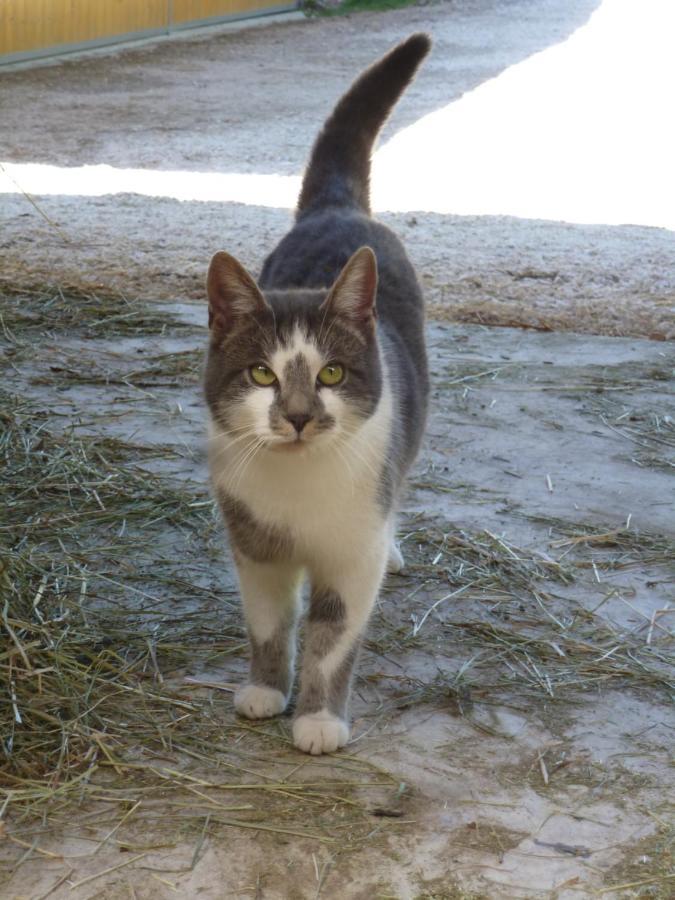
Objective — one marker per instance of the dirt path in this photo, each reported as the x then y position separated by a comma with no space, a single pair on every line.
511,696
512,721
250,102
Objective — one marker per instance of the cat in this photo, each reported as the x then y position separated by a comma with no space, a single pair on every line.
316,384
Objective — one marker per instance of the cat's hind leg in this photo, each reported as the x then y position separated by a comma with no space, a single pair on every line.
271,596
340,605
395,561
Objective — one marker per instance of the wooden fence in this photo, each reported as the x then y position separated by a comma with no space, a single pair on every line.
35,28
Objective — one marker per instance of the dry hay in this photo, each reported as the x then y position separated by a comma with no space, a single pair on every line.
111,596
29,311
97,708
649,430
498,622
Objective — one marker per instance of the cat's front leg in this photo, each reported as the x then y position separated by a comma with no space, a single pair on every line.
271,596
339,609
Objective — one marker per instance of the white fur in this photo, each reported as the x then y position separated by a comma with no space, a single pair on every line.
258,702
395,562
320,732
299,343
324,493
357,584
271,594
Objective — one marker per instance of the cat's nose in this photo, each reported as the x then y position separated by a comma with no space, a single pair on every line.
298,420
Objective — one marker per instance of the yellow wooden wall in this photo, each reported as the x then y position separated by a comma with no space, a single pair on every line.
194,10
28,26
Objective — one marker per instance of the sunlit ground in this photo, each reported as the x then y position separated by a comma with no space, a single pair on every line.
581,132
96,181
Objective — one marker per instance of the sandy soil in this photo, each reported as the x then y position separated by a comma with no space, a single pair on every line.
522,778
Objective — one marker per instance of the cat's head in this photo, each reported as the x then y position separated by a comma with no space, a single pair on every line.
292,370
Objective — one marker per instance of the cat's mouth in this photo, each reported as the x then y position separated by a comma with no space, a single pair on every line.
293,445
298,443
290,447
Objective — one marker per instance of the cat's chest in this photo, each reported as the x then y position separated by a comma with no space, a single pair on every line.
316,501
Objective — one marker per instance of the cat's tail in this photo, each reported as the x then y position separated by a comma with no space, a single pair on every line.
338,173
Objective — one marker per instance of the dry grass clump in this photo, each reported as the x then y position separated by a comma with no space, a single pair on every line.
506,302
74,512
650,431
615,548
162,370
39,309
498,618
105,608
648,869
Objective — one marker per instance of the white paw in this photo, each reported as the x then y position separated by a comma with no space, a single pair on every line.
257,702
395,562
320,732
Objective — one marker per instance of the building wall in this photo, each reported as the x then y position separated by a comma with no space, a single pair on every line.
32,28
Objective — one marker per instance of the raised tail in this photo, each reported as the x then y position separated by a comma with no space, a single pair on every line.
338,173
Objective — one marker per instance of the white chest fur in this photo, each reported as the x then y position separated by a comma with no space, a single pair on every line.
326,497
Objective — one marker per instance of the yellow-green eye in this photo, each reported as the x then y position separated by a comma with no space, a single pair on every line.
262,375
331,374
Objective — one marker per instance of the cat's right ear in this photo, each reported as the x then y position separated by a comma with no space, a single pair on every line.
354,293
233,294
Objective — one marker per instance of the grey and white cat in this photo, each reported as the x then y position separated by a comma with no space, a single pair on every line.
316,383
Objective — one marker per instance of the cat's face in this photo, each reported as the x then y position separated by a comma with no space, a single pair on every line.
293,370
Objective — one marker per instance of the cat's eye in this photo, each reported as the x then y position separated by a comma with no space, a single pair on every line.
331,374
262,375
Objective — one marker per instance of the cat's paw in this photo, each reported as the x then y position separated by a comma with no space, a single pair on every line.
320,732
395,561
258,702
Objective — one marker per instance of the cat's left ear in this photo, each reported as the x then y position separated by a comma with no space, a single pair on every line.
353,294
232,293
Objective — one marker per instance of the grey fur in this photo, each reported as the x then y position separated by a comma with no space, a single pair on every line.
299,397
339,170
272,660
231,355
326,607
332,222
325,626
256,540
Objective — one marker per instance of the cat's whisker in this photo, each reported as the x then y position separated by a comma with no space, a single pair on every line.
225,456
243,457
237,432
244,465
240,427
224,433
345,460
360,452
225,448
368,464
240,452
245,432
